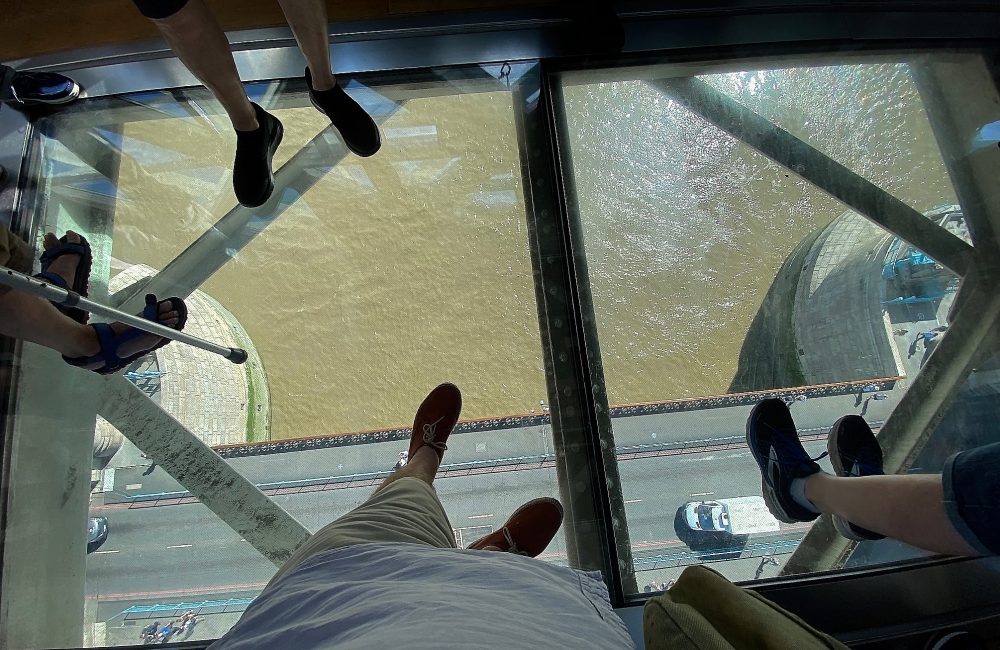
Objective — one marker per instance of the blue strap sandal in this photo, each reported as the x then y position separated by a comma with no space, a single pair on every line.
81,281
111,342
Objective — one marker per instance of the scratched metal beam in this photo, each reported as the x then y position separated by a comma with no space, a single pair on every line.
819,169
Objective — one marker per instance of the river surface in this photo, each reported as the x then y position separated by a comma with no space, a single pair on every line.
394,273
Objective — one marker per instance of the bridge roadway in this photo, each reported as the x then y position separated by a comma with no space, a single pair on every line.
171,553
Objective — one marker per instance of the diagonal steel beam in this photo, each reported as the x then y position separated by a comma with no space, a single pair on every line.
819,169
226,492
241,225
960,99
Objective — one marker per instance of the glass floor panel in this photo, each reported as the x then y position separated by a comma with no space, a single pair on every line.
721,276
361,286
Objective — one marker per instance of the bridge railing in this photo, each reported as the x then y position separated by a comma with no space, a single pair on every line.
543,419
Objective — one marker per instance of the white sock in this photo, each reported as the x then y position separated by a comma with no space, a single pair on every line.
798,492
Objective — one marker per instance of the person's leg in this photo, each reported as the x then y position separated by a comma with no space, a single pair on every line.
908,508
436,417
27,317
404,511
196,38
36,320
307,19
424,466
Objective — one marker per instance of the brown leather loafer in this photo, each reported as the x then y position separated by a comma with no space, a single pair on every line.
435,419
528,531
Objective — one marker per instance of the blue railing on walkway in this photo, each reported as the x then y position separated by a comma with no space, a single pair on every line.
174,610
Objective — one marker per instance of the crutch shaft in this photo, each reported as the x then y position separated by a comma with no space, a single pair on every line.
69,298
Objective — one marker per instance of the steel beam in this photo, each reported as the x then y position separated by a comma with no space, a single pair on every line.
236,501
819,169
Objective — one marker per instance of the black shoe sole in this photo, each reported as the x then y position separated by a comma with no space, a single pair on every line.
271,148
833,447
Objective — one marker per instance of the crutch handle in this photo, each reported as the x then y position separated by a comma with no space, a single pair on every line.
237,355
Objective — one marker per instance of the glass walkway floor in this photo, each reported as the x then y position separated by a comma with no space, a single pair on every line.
613,263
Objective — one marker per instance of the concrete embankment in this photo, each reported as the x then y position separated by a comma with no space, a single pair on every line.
840,326
822,320
220,402
769,356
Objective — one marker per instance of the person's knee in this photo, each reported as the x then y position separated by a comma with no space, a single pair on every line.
159,9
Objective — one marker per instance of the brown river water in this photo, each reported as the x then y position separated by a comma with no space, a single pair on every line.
394,273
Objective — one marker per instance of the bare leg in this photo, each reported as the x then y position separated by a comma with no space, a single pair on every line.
196,38
909,508
422,465
308,21
34,319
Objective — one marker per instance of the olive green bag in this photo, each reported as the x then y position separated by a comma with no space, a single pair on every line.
704,611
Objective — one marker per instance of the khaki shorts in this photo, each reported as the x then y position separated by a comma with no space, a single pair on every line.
14,254
407,510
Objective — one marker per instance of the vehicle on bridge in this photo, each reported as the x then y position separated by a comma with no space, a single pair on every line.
97,532
724,522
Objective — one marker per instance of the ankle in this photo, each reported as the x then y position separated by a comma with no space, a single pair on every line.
245,120
323,80
83,343
799,491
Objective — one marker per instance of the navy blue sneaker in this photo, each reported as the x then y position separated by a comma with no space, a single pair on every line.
33,88
854,451
774,441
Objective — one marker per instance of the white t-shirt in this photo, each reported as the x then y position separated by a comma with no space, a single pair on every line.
415,596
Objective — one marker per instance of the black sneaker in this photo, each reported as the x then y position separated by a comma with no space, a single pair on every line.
357,128
33,88
253,179
775,444
854,451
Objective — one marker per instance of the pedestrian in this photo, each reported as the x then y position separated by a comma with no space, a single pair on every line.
148,633
166,632
389,574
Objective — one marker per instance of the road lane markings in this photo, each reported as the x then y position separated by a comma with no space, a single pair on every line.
634,501
480,516
99,552
181,546
701,494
